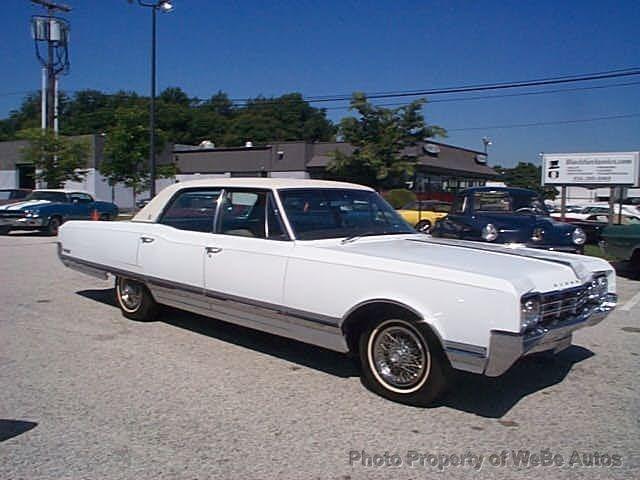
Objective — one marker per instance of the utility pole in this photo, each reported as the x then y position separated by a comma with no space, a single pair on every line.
51,36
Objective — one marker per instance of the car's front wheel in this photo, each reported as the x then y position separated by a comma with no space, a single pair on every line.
402,361
53,226
135,300
423,226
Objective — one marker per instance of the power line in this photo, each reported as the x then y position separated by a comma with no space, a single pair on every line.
564,78
505,95
574,78
10,94
552,80
541,124
481,87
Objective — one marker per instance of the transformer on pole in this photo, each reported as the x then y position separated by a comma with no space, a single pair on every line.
51,37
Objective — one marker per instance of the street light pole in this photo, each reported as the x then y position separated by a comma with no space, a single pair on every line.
164,6
486,142
152,107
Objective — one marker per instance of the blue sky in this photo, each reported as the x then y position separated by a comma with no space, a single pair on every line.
336,47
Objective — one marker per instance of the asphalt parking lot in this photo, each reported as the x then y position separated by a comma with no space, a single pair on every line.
86,393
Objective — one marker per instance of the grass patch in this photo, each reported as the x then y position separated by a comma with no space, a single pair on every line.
594,251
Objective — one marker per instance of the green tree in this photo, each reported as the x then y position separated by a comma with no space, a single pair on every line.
183,119
288,117
174,95
525,175
57,158
380,137
126,152
24,118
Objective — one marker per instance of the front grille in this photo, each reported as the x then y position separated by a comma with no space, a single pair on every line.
11,214
559,306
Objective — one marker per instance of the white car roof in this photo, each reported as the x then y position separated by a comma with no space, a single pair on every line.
60,190
152,210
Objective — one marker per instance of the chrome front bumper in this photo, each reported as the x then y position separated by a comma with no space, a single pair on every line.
505,348
22,222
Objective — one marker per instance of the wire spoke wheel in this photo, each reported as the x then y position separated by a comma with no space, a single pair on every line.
130,294
399,357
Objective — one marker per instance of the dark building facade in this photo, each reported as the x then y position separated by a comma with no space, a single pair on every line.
441,168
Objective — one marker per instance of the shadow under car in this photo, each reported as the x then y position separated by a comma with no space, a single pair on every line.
484,396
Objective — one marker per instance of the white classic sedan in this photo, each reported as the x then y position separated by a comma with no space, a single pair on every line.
332,264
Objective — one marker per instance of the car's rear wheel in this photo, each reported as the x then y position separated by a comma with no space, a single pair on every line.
135,300
635,262
423,226
402,361
105,217
54,225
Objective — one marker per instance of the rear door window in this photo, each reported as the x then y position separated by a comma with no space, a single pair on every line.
192,210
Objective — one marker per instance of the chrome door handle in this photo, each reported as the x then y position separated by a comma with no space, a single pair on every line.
147,239
211,250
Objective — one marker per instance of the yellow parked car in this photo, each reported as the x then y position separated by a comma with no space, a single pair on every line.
423,214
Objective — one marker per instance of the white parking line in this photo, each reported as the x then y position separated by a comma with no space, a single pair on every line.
631,303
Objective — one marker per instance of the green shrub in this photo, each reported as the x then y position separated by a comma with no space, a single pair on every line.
399,197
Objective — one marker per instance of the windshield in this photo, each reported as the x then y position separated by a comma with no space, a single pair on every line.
506,202
50,196
335,213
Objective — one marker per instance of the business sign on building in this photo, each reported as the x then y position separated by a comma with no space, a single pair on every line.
615,168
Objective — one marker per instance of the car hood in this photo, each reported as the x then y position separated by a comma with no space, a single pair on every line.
525,269
25,205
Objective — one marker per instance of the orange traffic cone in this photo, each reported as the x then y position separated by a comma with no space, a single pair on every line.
95,215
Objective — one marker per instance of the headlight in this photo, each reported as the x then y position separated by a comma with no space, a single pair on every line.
603,284
529,311
32,215
489,233
598,287
578,236
537,235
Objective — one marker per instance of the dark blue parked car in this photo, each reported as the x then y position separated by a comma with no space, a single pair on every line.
508,215
46,210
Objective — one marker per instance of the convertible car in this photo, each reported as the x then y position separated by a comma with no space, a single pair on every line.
332,264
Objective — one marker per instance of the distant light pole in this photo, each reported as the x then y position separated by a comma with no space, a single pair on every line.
486,142
165,6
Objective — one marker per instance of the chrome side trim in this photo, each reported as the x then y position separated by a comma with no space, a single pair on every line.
86,269
299,325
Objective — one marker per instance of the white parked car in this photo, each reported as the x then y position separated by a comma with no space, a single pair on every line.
598,209
332,264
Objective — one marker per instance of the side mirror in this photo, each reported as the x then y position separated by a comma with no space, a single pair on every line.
75,201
